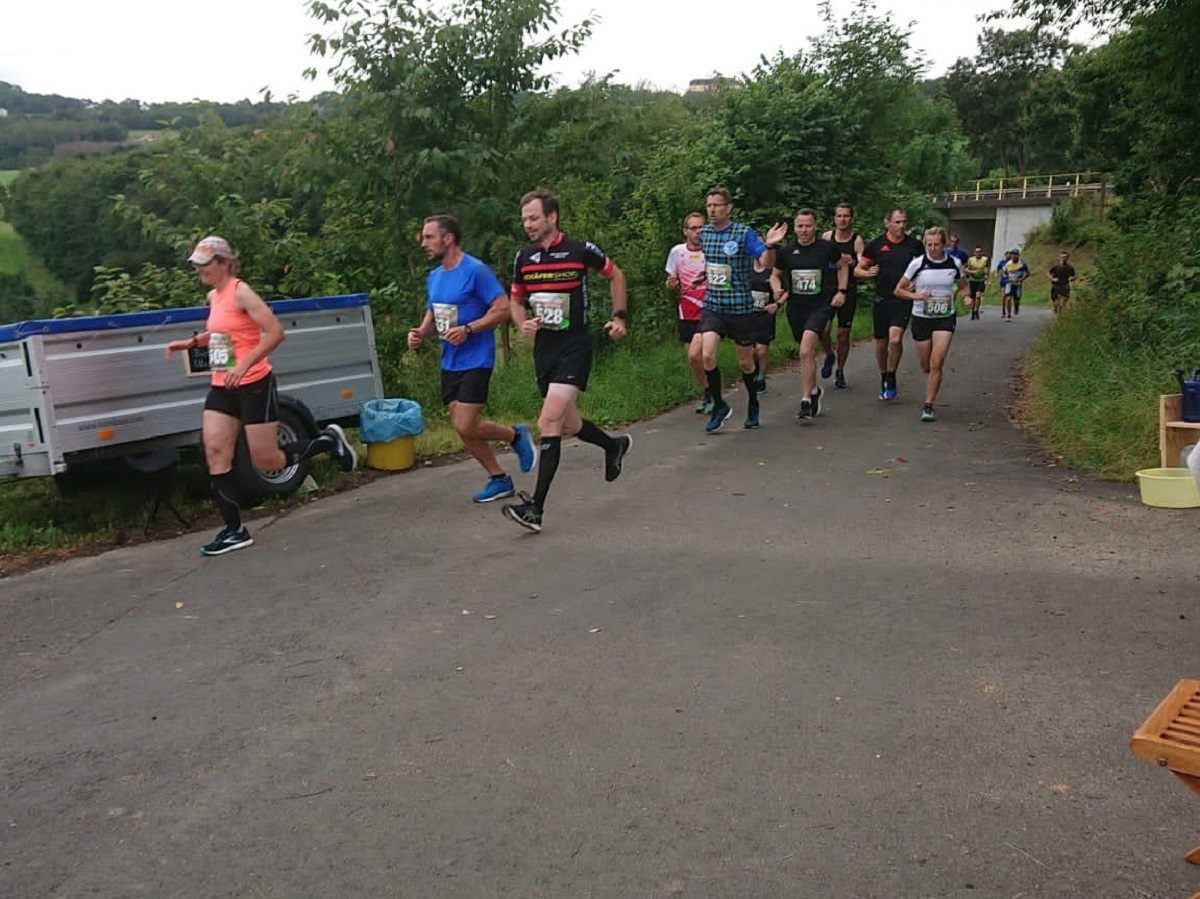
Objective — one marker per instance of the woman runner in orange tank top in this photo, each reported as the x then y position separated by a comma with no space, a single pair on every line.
240,334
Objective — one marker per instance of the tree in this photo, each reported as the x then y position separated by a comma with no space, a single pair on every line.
992,92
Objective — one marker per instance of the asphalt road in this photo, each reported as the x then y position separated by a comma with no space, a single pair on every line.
859,657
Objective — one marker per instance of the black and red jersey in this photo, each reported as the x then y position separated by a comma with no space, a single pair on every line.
552,281
893,258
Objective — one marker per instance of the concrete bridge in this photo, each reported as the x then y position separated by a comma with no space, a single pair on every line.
998,214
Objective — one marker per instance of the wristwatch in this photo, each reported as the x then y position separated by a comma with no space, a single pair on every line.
467,327
621,314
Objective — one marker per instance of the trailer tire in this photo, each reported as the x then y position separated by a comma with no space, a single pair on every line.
295,423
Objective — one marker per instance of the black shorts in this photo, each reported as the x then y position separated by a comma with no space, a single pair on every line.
1056,292
562,357
470,386
923,328
889,313
976,288
687,329
764,327
738,328
255,403
1013,290
808,315
845,312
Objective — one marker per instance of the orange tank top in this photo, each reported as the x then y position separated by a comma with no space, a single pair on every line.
232,335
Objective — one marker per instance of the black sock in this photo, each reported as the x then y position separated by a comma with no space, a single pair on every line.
714,384
306,449
891,380
750,379
224,493
589,433
551,450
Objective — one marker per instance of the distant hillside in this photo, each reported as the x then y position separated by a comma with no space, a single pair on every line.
35,128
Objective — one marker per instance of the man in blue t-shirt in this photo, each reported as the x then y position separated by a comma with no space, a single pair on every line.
466,303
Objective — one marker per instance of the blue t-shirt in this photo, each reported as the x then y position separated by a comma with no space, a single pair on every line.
458,296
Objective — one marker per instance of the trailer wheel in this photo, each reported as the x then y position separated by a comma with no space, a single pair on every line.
295,423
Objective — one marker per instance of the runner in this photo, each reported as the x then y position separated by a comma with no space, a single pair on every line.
685,274
850,243
240,333
550,275
930,281
810,272
1061,276
465,305
1002,280
1016,272
955,250
885,259
978,267
730,249
765,310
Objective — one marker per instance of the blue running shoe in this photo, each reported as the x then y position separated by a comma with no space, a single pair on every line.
890,394
720,415
760,384
827,365
499,486
525,447
839,380
751,421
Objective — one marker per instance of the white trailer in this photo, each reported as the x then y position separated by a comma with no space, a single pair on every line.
82,389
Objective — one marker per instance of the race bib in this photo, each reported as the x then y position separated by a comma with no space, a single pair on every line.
445,317
806,281
220,351
553,310
937,307
761,298
718,276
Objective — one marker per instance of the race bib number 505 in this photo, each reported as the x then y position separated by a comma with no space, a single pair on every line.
220,351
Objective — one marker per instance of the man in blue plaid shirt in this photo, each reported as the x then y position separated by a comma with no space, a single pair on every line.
730,249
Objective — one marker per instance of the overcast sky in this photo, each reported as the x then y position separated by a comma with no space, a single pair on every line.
228,50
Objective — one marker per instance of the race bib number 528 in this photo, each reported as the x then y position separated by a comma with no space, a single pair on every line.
552,310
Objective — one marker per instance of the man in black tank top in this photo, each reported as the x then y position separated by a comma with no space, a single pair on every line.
850,243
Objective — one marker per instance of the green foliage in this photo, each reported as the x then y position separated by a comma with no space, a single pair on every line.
1012,101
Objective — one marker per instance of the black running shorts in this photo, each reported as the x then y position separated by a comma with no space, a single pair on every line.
255,403
562,357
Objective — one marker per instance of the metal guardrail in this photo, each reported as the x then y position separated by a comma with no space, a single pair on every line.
1026,187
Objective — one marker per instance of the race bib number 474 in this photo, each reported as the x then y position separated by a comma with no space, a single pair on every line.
806,281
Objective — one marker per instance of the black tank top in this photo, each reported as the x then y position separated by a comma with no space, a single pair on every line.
847,246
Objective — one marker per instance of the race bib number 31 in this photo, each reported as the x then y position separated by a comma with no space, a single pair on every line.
445,317
552,310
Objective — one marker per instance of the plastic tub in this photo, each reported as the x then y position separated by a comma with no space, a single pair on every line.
1168,488
399,454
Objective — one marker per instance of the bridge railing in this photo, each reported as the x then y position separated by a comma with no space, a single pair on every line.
1027,187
